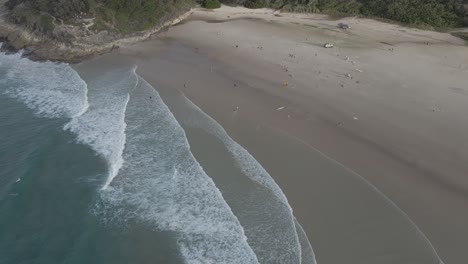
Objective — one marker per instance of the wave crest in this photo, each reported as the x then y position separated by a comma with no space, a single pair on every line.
52,90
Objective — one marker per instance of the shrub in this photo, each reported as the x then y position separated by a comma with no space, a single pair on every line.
464,22
46,23
350,7
211,4
255,3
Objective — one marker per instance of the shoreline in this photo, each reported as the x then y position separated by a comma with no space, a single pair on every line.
391,121
399,224
367,140
42,48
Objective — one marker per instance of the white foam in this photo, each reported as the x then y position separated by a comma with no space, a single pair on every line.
163,186
55,90
102,126
288,247
50,89
248,164
308,255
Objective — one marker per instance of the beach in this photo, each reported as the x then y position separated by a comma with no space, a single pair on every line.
237,137
367,140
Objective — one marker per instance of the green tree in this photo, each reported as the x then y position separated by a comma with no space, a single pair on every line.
211,4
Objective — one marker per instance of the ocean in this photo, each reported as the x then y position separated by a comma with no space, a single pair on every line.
96,168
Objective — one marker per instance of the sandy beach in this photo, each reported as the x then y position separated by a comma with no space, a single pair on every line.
368,140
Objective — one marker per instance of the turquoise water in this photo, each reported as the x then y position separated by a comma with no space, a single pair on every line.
95,168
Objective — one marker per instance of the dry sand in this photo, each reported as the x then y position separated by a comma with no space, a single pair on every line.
387,103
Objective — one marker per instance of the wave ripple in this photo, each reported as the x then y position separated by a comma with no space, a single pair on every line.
163,186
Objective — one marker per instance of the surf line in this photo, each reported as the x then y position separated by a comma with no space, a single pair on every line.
265,179
114,168
424,237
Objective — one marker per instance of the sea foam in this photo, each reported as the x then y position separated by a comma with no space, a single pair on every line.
283,244
55,90
102,126
161,185
52,90
308,254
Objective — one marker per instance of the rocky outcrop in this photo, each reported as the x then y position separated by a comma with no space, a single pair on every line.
72,43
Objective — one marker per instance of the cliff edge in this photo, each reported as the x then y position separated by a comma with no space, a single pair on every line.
73,30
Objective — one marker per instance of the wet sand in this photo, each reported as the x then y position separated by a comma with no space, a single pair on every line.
385,108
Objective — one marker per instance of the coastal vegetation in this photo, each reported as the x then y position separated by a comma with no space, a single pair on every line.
429,13
113,15
211,4
127,16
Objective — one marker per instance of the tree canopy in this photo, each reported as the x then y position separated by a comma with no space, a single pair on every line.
134,15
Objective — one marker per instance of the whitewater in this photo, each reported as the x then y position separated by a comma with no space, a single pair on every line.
153,178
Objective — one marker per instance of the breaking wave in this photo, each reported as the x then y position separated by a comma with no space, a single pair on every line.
102,126
162,185
122,118
52,90
275,213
